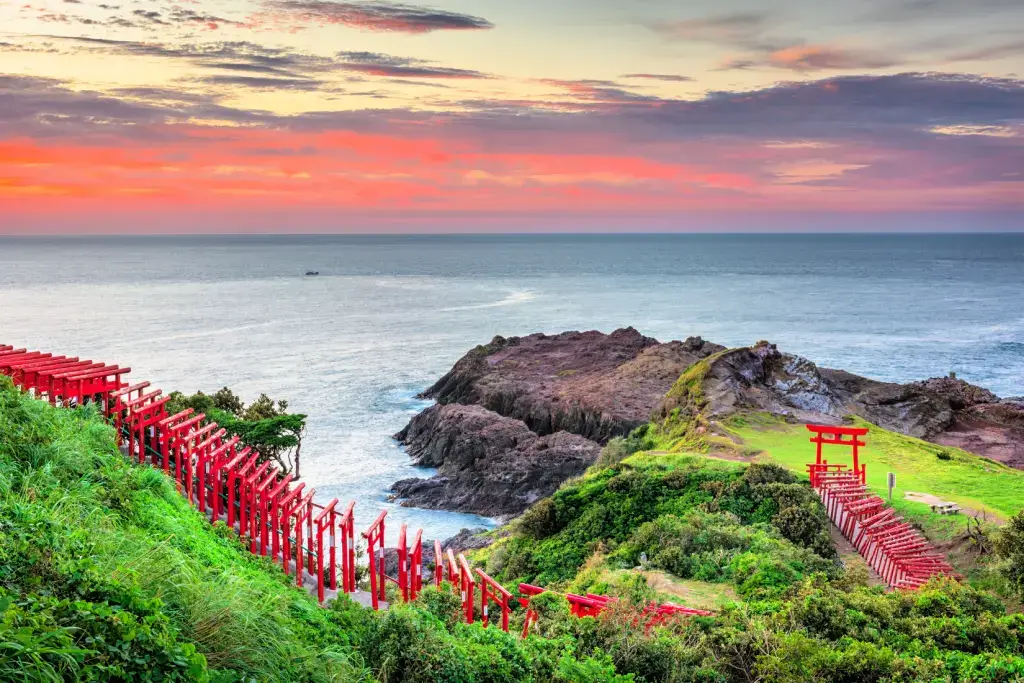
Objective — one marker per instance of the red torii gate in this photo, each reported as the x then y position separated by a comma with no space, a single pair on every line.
830,435
117,405
591,605
374,536
258,497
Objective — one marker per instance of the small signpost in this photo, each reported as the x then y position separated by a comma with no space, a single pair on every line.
892,484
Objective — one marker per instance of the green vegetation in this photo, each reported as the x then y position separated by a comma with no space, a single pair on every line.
754,527
1009,547
976,484
265,425
920,466
788,612
106,573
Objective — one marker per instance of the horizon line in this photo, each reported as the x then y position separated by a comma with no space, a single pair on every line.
519,233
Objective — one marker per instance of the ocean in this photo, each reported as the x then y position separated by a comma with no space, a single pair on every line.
388,315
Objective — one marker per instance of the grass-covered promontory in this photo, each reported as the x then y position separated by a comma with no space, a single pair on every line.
753,527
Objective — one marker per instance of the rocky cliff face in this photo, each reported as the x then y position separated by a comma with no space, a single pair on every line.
487,464
761,378
944,410
982,423
587,383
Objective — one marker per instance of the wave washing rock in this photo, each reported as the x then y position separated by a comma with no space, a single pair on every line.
487,464
588,383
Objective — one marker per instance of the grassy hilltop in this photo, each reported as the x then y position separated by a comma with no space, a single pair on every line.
106,573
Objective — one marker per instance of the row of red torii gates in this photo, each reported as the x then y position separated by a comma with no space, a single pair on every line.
272,511
899,553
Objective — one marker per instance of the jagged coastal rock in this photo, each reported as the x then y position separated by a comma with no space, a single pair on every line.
764,379
587,383
487,464
517,417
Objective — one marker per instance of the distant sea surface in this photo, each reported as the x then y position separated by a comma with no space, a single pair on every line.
388,315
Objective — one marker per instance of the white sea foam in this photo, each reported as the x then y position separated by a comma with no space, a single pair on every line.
512,299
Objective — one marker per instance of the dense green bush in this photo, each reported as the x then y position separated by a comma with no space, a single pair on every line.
1009,546
443,603
756,527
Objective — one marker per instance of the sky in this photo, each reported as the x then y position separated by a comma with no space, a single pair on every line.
510,115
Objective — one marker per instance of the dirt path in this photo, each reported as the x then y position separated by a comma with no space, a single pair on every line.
850,557
929,499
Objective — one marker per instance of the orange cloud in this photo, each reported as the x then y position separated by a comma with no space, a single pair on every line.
819,57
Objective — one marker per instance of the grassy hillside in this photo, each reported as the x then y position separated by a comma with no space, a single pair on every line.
746,539
976,484
752,527
107,574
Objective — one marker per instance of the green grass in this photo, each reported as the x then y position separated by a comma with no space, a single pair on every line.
966,479
79,523
669,462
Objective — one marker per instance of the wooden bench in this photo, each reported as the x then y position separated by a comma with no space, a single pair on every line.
946,508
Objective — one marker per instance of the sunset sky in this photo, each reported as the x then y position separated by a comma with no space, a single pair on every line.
504,115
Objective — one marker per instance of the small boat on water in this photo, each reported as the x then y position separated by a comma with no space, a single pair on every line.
312,272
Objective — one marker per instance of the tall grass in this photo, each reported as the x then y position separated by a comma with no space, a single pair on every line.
61,468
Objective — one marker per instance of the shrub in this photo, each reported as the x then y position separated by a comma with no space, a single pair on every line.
46,638
442,603
411,645
540,520
1009,546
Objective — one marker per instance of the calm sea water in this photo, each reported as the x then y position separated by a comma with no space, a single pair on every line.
388,315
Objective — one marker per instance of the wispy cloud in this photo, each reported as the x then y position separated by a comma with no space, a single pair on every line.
266,83
905,11
377,16
817,58
377,64
743,29
670,78
263,64
602,93
996,51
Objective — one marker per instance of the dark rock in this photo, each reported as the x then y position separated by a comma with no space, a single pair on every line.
588,383
487,464
905,408
958,393
762,378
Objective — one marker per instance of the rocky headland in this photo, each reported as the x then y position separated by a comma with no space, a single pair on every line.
517,417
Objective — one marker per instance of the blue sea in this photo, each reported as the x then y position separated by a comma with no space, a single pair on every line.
389,314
